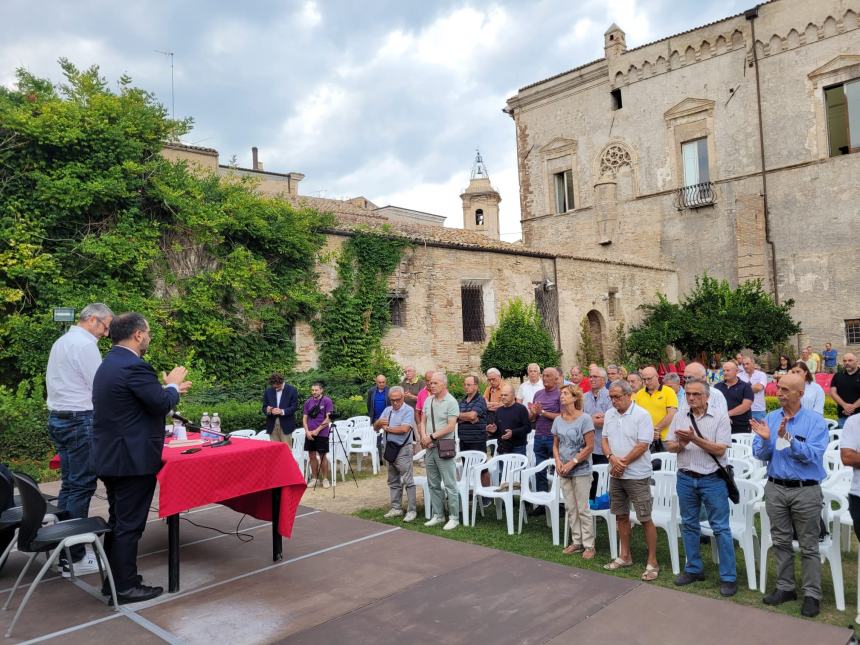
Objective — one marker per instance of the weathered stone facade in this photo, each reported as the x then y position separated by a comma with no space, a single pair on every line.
619,123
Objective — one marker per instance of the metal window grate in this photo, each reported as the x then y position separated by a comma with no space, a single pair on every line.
397,310
546,301
852,331
472,298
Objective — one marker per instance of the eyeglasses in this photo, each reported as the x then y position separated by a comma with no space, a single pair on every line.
615,397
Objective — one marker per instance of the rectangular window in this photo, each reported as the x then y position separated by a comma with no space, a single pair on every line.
397,309
843,117
472,300
615,96
695,157
852,331
563,191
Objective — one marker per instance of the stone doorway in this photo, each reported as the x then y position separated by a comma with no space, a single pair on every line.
595,331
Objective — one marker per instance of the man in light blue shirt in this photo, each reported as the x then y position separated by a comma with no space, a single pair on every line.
793,440
398,423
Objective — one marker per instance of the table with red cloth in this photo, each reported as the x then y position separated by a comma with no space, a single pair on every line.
259,478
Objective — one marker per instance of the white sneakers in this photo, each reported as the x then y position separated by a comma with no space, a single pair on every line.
83,567
326,484
410,516
435,521
450,525
394,512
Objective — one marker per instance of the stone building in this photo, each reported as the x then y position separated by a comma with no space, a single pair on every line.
705,152
450,286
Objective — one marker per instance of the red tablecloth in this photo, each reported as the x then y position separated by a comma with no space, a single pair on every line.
240,476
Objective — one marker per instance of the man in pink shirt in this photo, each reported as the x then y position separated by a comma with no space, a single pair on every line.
422,396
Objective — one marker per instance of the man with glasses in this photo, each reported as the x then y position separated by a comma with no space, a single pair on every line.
72,366
595,403
699,484
398,422
627,435
660,402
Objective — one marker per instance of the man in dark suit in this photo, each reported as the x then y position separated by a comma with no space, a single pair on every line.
129,407
280,402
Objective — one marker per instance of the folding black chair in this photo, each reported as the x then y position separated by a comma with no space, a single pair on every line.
34,538
10,518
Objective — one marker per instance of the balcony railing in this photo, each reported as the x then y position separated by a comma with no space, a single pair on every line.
695,196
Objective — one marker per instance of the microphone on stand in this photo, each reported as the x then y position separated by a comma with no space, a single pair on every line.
225,438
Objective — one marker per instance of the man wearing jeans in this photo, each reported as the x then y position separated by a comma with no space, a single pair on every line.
543,411
700,484
72,365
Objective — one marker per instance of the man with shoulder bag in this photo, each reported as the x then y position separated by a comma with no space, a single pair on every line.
398,422
436,429
700,438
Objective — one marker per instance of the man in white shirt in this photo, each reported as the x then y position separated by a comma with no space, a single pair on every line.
716,400
526,391
758,382
627,435
72,365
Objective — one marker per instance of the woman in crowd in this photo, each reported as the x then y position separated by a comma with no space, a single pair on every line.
813,394
715,371
782,367
573,442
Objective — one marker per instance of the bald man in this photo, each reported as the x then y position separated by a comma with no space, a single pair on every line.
845,389
716,400
739,397
792,439
660,401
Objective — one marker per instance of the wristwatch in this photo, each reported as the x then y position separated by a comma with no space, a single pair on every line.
575,461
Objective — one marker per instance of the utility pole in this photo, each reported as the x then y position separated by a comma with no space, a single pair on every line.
172,94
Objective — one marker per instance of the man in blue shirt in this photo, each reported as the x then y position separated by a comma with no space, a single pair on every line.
793,440
829,355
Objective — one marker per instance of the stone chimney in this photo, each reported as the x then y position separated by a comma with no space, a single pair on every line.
256,164
613,42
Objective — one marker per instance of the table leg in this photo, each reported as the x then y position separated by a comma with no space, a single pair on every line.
277,541
173,553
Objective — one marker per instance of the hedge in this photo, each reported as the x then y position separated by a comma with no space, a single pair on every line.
772,403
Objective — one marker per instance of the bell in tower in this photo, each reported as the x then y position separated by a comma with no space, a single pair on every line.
481,201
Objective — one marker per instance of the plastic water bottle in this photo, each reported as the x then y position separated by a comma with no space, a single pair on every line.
215,425
205,423
179,430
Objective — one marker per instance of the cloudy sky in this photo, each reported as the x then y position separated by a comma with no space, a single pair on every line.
377,98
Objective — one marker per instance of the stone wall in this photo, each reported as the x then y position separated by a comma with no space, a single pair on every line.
627,163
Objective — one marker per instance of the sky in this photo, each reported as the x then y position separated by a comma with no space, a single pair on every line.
384,99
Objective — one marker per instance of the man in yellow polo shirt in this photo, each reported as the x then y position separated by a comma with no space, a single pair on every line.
661,402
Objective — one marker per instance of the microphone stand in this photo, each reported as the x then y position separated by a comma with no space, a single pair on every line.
333,465
225,438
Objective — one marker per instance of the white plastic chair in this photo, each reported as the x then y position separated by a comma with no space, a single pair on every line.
244,434
511,467
741,523
832,424
744,439
664,513
492,446
469,460
339,443
739,451
264,436
828,548
550,499
668,461
743,468
363,442
298,451
421,480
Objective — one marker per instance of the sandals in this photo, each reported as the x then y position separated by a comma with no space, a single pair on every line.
572,548
618,563
651,573
589,554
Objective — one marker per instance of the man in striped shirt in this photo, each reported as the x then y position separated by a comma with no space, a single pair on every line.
699,483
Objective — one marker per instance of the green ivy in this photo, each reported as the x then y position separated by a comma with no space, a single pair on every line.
355,315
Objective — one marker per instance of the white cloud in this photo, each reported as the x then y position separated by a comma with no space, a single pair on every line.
310,16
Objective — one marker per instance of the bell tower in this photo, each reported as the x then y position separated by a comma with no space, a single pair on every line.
481,201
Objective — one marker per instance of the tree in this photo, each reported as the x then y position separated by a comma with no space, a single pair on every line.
713,318
519,339
90,211
587,352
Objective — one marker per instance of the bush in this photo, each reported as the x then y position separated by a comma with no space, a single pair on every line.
519,339
24,422
772,403
235,415
353,406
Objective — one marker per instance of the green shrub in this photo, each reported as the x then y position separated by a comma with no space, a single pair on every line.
353,406
519,339
772,403
24,422
235,415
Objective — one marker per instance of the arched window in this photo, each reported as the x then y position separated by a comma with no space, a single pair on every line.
479,217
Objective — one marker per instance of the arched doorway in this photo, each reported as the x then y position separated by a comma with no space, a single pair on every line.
595,332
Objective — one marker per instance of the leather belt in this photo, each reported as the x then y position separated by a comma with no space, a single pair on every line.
695,475
69,414
793,483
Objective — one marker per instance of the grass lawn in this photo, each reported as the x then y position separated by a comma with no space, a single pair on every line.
536,542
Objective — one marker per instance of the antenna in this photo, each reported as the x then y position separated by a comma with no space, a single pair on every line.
172,95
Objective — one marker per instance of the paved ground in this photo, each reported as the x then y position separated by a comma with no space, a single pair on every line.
348,580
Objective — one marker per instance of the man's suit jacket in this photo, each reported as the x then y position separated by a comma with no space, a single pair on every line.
129,409
289,404
369,399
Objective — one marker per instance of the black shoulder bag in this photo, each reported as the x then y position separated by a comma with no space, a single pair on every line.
726,473
393,449
446,447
